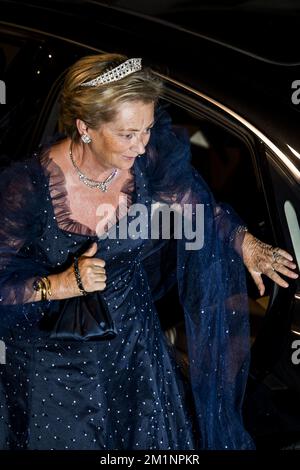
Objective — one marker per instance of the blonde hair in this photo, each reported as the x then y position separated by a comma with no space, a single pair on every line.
96,105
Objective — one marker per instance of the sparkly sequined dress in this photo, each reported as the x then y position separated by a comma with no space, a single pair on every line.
126,392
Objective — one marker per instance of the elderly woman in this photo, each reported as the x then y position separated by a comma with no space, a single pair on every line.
87,364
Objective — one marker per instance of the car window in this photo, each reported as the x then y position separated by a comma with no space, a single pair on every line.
29,67
8,51
24,95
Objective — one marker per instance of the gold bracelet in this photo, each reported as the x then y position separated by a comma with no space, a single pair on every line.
47,283
43,285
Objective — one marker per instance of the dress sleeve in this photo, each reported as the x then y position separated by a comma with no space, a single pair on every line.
212,289
21,222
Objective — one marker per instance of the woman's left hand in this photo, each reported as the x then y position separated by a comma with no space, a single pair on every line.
261,258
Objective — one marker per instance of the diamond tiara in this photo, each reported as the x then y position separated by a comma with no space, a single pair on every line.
119,72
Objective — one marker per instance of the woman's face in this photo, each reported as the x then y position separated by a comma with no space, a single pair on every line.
117,143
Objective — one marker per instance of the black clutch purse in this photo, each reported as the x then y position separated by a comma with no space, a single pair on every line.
83,318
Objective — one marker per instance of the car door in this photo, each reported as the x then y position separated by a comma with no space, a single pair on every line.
245,168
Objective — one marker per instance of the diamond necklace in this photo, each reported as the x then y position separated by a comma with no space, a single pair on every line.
102,185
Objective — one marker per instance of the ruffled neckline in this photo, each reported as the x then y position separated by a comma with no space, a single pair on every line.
58,197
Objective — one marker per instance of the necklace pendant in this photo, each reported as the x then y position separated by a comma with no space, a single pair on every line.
103,187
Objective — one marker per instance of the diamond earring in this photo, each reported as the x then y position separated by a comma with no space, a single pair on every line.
86,138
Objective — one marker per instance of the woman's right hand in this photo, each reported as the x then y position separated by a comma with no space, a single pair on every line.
92,273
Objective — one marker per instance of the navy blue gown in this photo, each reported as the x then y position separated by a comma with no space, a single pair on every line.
123,392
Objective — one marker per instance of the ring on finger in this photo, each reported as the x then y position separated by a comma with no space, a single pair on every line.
275,254
272,266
